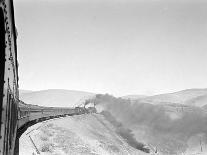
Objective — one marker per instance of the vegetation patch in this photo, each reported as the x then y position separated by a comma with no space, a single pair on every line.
47,147
44,138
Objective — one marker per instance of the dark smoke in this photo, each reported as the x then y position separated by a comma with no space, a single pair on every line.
125,133
162,131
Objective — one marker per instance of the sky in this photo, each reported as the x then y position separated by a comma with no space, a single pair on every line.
119,47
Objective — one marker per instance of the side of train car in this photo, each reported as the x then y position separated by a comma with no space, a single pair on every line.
9,92
32,113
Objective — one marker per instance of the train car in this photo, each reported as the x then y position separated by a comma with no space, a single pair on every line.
33,113
9,93
23,114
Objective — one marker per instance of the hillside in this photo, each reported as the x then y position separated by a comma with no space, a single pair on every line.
55,97
134,97
198,101
195,97
22,91
77,135
172,123
169,128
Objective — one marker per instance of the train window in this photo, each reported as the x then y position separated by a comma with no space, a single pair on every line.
2,57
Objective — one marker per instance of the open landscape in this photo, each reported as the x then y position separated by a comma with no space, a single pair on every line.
173,124
89,134
55,97
103,77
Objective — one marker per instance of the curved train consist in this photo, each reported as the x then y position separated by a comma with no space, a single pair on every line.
30,114
15,115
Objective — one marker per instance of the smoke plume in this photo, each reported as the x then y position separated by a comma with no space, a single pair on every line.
170,135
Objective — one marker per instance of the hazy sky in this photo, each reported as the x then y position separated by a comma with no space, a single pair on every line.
112,46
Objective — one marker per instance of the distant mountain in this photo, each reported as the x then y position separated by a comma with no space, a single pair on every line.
22,91
134,97
198,101
188,96
55,97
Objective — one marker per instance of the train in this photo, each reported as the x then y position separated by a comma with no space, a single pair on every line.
15,115
30,114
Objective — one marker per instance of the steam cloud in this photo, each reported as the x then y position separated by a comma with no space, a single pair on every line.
125,133
170,135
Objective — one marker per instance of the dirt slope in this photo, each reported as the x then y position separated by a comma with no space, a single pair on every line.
88,134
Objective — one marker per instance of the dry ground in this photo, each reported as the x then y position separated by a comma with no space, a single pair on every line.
87,134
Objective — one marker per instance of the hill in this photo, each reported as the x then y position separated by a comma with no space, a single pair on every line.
55,97
22,91
198,101
88,134
134,97
170,128
188,96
